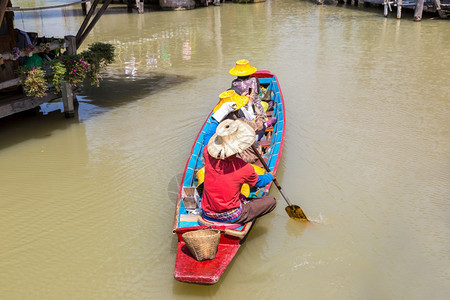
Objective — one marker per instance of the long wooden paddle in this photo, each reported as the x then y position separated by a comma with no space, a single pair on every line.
293,211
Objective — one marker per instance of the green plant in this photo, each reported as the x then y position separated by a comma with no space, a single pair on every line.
100,53
35,83
57,76
76,68
94,77
70,68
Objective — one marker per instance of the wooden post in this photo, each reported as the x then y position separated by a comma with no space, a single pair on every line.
67,96
94,21
87,18
399,8
437,4
140,6
3,5
129,6
88,6
418,11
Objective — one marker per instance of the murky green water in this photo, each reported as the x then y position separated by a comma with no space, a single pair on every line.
87,203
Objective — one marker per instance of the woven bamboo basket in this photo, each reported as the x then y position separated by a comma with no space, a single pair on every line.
202,243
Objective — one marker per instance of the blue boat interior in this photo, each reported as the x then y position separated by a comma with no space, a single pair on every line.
195,162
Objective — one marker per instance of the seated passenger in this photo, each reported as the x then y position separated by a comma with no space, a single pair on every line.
249,86
246,115
225,173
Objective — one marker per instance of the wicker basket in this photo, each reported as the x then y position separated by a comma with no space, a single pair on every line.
202,243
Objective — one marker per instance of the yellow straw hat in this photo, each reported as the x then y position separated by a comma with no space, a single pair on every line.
231,137
231,96
242,68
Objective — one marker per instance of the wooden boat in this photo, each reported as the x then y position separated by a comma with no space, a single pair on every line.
187,268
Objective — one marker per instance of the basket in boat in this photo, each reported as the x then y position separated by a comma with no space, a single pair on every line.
202,243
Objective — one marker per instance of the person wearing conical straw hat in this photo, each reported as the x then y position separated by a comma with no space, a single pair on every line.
225,173
247,85
244,84
246,115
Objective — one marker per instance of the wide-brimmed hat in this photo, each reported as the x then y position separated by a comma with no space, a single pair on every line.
231,96
242,68
231,137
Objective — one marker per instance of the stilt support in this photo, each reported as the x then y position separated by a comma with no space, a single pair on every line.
67,98
399,9
86,6
140,6
418,11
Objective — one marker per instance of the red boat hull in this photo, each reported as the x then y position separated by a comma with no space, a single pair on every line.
187,269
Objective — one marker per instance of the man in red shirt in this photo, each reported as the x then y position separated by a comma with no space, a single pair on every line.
225,173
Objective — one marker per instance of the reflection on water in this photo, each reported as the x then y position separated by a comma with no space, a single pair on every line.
87,203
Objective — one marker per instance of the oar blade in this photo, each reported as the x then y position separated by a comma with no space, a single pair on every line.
295,212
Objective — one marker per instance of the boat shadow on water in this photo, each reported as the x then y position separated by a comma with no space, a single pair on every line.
117,90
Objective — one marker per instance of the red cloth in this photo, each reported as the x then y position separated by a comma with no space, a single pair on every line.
223,182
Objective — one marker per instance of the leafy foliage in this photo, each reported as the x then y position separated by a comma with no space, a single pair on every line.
70,68
35,83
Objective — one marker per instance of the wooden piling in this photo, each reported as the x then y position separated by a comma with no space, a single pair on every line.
399,8
129,6
140,6
418,11
82,33
67,96
88,6
437,4
3,5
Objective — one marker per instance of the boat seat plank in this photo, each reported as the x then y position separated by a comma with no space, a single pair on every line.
264,144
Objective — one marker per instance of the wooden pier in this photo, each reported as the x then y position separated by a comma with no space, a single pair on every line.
441,7
12,96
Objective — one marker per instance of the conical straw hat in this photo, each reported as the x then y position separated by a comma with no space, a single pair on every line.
242,68
231,137
231,96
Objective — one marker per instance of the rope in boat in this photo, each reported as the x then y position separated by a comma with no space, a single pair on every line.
46,7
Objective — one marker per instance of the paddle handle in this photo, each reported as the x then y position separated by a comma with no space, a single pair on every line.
268,170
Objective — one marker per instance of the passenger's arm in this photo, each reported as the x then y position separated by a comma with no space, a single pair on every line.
210,131
263,180
217,117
